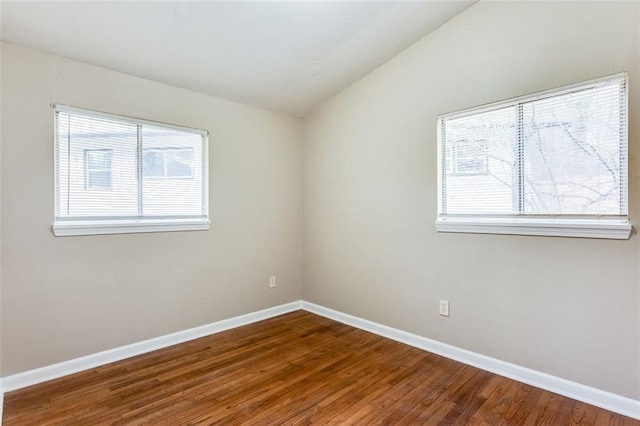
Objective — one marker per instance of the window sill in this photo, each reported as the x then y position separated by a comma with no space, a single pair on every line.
73,228
619,229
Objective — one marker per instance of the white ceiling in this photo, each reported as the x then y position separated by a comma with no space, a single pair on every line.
284,56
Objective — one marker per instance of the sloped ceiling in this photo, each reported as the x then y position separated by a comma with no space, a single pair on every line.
283,56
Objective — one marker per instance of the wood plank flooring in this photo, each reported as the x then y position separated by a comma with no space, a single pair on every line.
295,369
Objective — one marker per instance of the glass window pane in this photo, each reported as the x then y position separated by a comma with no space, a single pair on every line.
479,151
182,157
153,163
179,163
572,153
98,179
471,156
96,166
99,159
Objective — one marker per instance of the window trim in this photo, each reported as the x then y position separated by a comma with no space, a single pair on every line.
585,226
128,226
127,119
70,226
609,228
88,170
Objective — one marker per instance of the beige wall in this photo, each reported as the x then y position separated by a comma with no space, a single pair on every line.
0,203
568,307
71,296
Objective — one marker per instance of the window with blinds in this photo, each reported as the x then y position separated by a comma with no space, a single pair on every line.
118,174
552,163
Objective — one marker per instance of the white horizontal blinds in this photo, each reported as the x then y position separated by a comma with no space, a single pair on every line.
119,169
479,156
96,166
562,153
172,172
575,152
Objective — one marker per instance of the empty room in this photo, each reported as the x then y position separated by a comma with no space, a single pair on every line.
320,212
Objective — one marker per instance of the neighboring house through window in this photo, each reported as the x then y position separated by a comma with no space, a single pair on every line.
118,174
469,157
167,163
97,168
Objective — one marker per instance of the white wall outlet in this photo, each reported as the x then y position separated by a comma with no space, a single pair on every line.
272,281
444,308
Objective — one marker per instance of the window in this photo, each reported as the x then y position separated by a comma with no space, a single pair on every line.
97,168
118,175
553,163
167,163
469,157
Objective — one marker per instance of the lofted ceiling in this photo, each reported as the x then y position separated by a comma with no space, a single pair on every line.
285,56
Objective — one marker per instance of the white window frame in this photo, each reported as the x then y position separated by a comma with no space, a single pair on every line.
586,226
454,164
164,152
124,225
88,170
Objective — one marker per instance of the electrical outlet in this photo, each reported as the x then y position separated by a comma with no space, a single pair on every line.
272,281
444,308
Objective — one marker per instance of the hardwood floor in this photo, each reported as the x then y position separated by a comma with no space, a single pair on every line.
298,368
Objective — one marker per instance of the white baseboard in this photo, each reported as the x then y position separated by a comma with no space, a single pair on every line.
603,399
607,400
65,368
